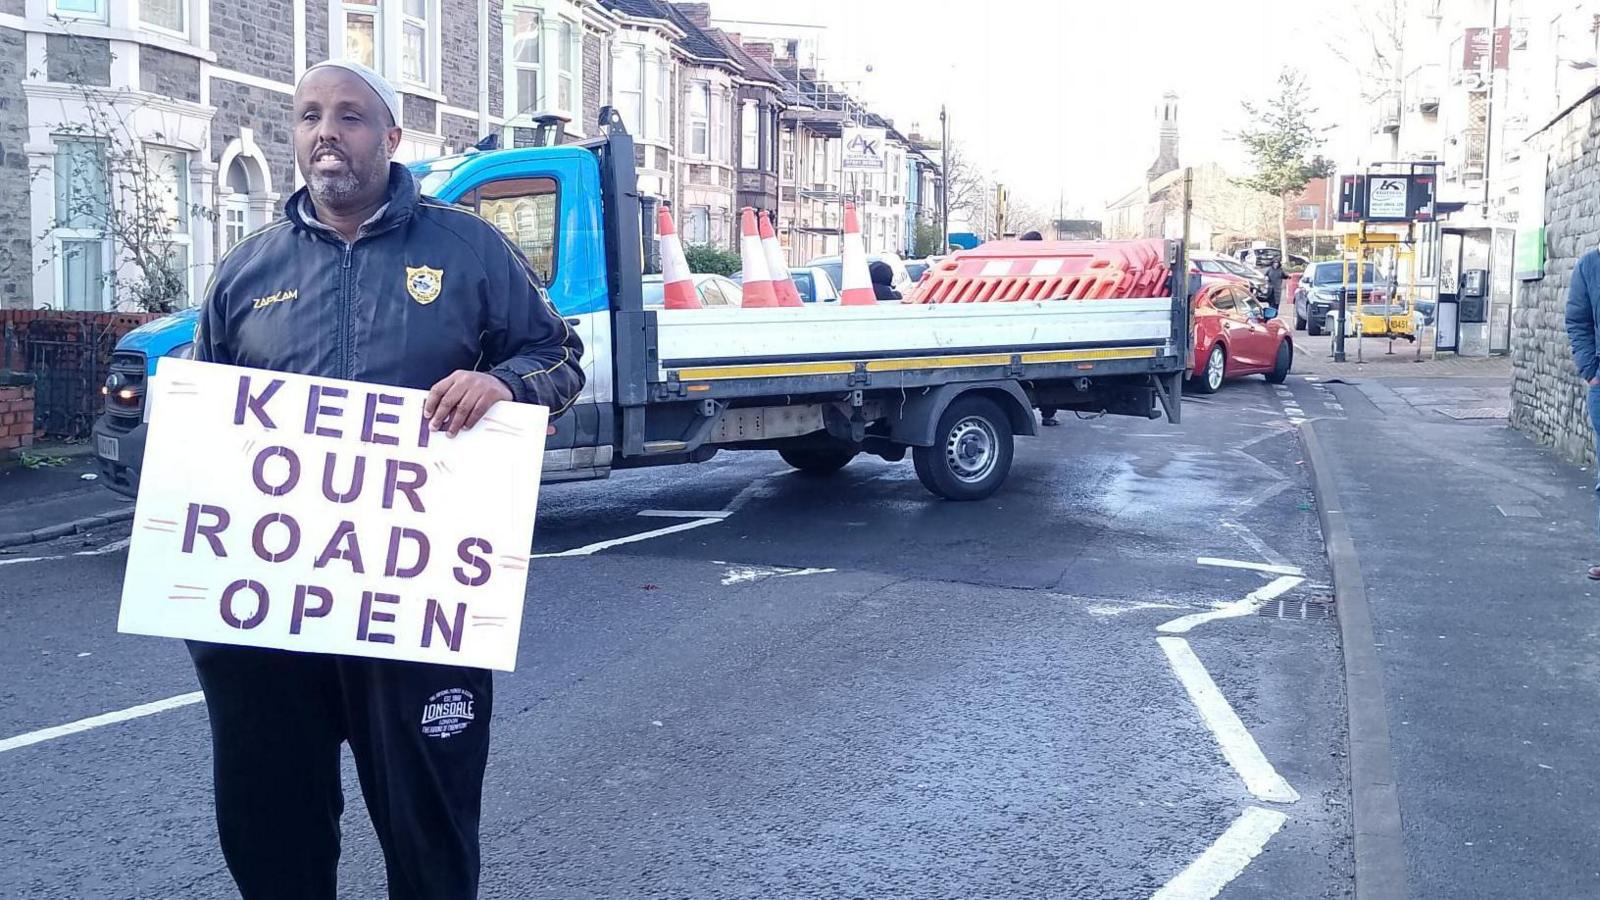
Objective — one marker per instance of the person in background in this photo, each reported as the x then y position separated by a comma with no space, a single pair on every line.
1275,279
882,281
1030,236
1583,331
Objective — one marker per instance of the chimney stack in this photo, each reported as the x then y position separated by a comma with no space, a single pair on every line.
698,13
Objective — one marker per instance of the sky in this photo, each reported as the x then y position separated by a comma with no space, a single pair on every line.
1060,99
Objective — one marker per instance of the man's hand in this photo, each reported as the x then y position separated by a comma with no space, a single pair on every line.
461,399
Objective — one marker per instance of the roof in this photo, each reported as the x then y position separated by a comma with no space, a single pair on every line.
699,44
644,9
753,68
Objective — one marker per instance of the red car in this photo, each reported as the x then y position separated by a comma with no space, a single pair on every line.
1234,335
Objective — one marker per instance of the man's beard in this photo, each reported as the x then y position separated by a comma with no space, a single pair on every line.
337,191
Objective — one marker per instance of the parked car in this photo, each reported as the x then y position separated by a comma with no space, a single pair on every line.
1214,269
1235,336
716,292
1324,288
835,269
814,284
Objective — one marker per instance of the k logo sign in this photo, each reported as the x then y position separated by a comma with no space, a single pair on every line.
424,284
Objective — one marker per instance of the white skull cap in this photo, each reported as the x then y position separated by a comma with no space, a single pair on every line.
378,83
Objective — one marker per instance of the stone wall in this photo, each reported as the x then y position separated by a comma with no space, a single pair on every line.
420,115
497,36
269,114
16,243
1547,395
593,47
13,7
169,74
459,77
459,133
256,37
317,33
77,60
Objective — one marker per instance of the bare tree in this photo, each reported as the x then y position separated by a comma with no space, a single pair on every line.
118,190
968,188
1369,37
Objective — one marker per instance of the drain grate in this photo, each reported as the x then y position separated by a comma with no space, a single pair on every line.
1296,609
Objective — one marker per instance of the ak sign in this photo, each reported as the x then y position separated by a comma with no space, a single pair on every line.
864,149
1386,198
318,515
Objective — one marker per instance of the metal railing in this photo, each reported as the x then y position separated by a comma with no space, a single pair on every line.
69,355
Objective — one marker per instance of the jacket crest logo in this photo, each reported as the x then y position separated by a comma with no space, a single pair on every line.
424,284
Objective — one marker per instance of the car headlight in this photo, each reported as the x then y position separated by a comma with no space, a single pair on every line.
183,351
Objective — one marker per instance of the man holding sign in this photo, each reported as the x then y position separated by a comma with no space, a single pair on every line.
365,281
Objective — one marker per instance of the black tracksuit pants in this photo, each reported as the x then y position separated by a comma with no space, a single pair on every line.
420,737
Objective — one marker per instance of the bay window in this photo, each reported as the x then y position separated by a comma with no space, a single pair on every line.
82,250
417,64
166,15
363,24
169,171
721,148
658,108
527,58
629,76
700,119
79,10
570,52
750,136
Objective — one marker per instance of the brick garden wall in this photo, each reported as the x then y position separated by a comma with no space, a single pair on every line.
16,418
68,354
1547,395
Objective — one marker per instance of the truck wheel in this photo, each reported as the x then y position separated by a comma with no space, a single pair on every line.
973,452
819,460
1281,366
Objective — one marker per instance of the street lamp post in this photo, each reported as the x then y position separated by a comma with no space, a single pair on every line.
944,182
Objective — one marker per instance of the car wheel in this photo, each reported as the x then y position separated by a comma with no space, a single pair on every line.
1215,372
819,460
972,454
1299,321
1314,328
1282,365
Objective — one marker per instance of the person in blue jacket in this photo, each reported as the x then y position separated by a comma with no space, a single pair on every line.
367,280
1583,330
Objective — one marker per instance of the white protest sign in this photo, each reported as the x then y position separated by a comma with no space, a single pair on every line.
312,514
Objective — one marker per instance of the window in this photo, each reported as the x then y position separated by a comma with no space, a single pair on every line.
527,58
81,10
750,136
361,29
416,42
721,148
83,201
569,67
235,209
787,140
700,119
525,210
169,170
630,88
166,15
658,117
697,228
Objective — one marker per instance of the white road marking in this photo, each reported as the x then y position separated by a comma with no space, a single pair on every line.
1246,607
1254,567
683,514
112,547
110,718
591,549
1224,860
1257,544
1266,493
1238,747
1118,608
749,574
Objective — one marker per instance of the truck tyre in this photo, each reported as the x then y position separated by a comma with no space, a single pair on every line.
972,454
819,460
1281,365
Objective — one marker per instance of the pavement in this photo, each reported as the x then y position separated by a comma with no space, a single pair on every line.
1375,358
1117,678
1472,545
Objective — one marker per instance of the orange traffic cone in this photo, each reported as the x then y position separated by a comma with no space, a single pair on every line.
758,291
677,287
857,287
777,267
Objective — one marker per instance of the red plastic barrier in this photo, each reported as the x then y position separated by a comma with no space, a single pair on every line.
1019,271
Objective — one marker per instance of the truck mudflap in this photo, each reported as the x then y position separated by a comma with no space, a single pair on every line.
916,419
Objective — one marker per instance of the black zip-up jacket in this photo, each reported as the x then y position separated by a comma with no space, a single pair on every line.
425,289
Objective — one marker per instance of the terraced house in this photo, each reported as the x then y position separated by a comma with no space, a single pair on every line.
150,136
